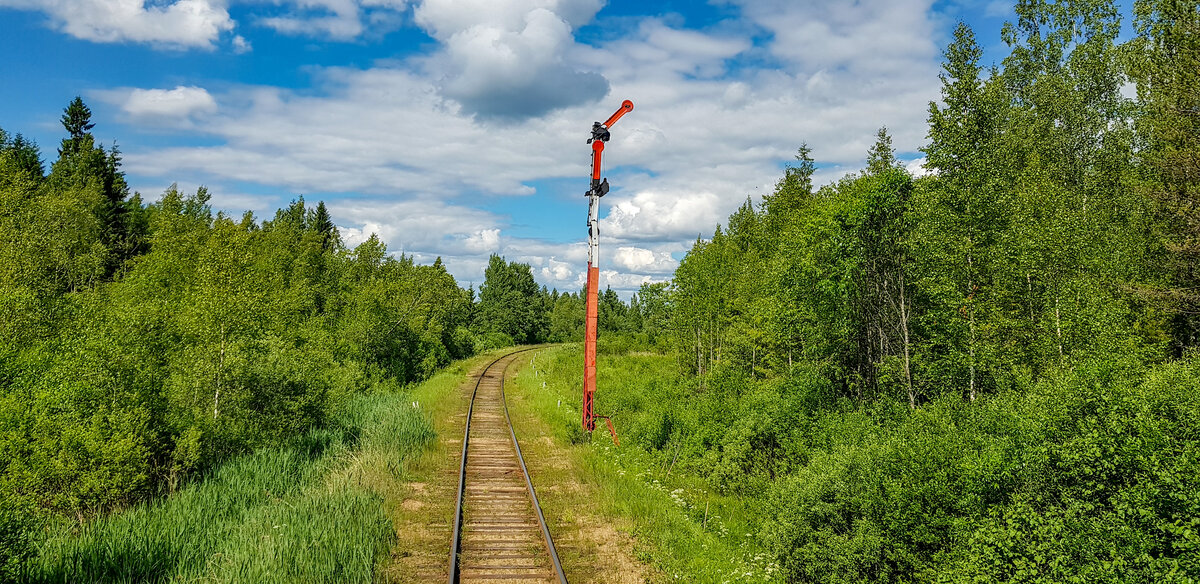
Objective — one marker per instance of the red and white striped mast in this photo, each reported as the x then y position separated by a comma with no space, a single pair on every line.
599,188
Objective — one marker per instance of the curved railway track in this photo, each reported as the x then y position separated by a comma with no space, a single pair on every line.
500,535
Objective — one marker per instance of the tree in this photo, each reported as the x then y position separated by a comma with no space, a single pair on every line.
1164,60
883,306
792,192
1068,143
881,158
83,167
653,302
613,314
566,319
20,160
26,156
321,223
77,119
510,302
959,212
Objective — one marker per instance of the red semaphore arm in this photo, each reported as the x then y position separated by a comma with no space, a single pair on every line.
626,107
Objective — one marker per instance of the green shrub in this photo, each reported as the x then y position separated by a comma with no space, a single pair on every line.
462,343
18,525
488,341
1091,476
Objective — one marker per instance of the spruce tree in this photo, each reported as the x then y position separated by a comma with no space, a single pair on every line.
27,157
792,192
321,223
77,119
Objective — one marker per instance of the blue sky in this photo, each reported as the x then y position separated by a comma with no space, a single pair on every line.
457,128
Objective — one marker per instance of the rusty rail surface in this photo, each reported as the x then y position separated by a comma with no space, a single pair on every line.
500,534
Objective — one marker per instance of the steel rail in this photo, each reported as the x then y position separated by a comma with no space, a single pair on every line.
562,578
456,542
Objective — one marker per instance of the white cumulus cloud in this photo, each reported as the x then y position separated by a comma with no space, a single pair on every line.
559,272
917,168
241,45
657,216
177,24
179,102
510,58
341,20
338,19
483,241
644,261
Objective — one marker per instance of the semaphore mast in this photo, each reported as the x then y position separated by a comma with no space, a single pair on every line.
599,188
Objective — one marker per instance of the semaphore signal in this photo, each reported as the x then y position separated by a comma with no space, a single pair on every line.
599,188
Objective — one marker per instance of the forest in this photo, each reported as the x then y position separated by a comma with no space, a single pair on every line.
984,374
142,344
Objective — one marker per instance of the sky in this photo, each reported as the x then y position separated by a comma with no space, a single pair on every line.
457,128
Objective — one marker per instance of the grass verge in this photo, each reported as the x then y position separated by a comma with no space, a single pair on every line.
681,528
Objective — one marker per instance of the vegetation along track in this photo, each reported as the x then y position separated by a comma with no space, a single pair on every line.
500,534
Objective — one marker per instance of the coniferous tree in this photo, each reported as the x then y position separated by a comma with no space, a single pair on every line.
26,156
1164,60
792,191
77,119
323,225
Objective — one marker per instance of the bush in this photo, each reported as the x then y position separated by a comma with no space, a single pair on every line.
462,343
1091,476
488,341
18,524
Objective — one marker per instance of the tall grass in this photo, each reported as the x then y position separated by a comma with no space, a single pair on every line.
689,533
298,513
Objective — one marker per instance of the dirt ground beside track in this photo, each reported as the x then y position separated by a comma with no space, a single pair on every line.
593,550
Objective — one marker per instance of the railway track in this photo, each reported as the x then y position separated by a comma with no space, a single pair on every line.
500,535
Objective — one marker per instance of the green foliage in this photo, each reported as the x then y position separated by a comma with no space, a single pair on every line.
566,318
77,120
1164,60
225,336
488,341
650,311
511,303
1090,476
21,157
277,515
18,523
142,345
960,377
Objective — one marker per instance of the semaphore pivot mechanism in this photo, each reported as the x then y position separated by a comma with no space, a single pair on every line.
598,188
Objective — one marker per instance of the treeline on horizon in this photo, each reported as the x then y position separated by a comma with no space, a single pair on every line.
143,343
985,374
